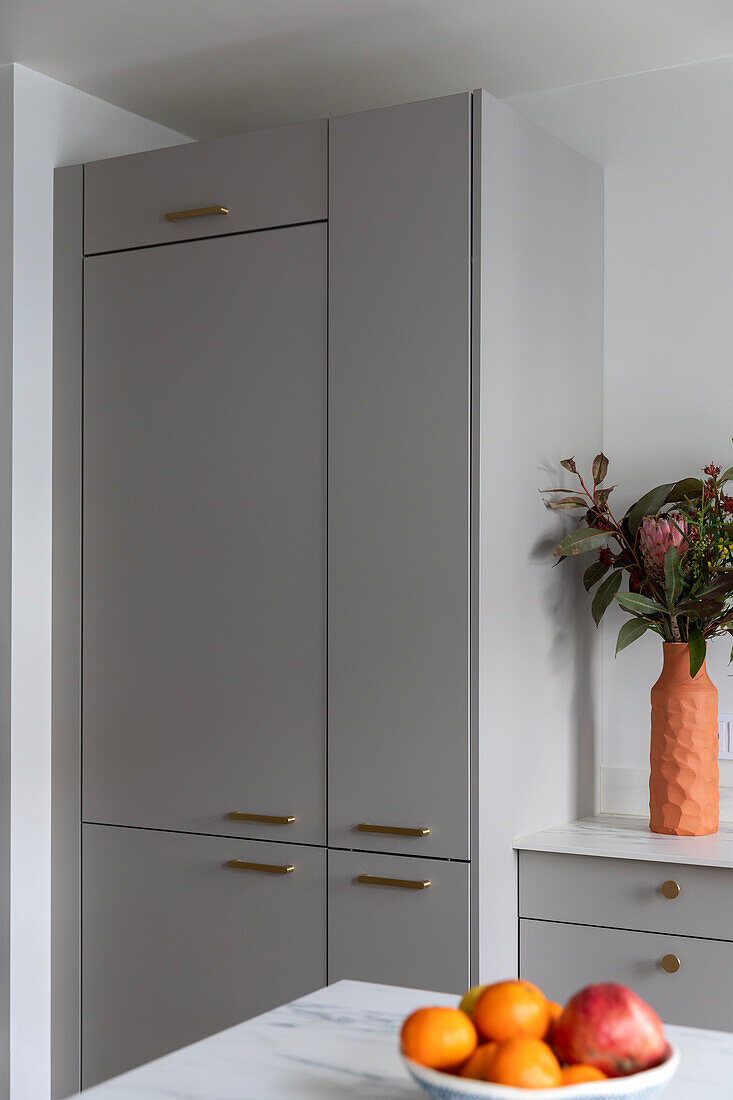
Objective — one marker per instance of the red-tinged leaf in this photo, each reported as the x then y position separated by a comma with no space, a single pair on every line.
602,495
581,540
569,464
629,632
600,468
605,594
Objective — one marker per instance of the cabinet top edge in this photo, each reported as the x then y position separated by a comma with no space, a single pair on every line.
616,836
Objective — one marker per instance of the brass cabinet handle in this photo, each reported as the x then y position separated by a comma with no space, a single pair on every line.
671,889
392,830
671,964
199,212
269,868
266,819
404,883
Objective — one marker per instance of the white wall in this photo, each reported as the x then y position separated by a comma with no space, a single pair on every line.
53,125
665,139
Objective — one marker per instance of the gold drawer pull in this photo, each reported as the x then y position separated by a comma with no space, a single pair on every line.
269,868
671,964
404,883
266,819
199,212
392,830
671,889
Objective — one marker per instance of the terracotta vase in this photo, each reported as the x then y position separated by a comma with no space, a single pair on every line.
683,780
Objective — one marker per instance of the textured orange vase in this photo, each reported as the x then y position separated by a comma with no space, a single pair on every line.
683,779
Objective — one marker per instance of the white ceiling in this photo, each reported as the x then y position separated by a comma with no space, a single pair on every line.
209,67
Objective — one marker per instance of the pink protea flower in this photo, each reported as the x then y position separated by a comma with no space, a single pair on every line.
656,535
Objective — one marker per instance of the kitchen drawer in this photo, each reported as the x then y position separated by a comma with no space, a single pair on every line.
562,958
177,945
393,933
626,893
267,178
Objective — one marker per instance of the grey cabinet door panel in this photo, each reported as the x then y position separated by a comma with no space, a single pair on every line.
394,934
177,945
266,178
399,451
204,535
562,958
626,893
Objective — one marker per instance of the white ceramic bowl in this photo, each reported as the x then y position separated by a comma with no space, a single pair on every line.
639,1086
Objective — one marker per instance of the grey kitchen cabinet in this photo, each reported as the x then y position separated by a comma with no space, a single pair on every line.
562,958
178,944
303,482
262,179
204,507
399,462
398,920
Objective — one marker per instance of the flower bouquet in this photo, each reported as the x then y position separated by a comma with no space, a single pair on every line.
675,547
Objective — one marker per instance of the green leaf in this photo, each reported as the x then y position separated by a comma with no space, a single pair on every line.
726,475
600,468
648,505
567,502
581,540
697,649
672,576
605,594
639,605
689,488
594,573
630,631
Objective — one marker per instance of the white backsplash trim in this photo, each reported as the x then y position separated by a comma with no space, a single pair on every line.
626,790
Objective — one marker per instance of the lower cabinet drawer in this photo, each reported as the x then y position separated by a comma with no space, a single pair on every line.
562,958
176,944
394,932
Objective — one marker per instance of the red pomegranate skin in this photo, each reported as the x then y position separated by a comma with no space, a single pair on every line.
608,1026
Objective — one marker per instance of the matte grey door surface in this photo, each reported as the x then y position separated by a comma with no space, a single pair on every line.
562,958
204,535
399,460
264,178
393,933
626,893
177,945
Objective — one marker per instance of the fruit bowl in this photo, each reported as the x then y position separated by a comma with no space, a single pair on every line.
637,1086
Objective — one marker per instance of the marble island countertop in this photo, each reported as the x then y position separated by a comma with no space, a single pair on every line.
618,837
341,1041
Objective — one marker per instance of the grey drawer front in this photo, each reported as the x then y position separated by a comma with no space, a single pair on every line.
177,945
393,934
625,893
562,958
268,178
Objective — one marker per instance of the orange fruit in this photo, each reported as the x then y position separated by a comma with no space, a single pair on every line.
555,1014
468,1001
508,1010
576,1075
477,1064
442,1038
525,1063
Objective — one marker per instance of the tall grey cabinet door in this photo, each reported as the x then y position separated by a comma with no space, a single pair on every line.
399,485
204,535
178,944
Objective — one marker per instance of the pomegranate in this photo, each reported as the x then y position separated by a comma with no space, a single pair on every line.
608,1026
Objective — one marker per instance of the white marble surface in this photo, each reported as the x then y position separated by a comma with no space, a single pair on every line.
618,837
342,1042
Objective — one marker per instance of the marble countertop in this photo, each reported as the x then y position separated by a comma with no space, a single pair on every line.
618,837
342,1042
